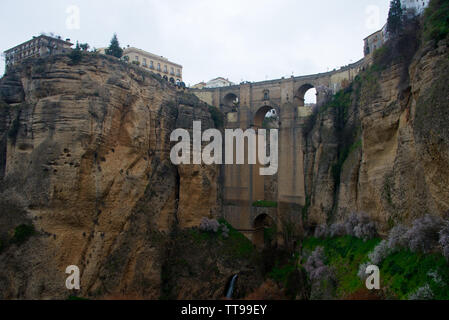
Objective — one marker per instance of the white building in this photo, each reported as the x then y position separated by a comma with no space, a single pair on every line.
218,83
414,7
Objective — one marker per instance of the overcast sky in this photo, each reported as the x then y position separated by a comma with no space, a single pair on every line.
243,40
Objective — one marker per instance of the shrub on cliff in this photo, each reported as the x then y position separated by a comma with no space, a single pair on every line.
315,266
395,18
321,231
397,237
114,48
76,55
436,20
356,225
22,233
380,252
212,225
424,234
209,225
337,230
322,277
422,293
360,226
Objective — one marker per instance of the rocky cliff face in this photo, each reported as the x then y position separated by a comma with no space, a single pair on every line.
84,157
382,146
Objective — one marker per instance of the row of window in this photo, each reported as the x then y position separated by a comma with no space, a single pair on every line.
25,54
26,46
151,66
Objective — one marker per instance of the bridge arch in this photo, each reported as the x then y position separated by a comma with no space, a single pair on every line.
300,96
261,113
231,100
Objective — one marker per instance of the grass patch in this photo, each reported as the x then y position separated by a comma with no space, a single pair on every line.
265,204
344,254
280,274
404,272
236,245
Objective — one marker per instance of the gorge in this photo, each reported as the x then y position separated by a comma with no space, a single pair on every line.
86,179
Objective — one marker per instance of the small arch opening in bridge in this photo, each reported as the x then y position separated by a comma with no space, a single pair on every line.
266,117
264,233
306,96
231,101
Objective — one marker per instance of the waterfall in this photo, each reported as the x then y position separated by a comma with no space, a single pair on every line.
231,287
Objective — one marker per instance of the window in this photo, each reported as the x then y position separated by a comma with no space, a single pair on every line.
151,65
165,69
137,58
158,67
266,95
178,72
172,71
144,62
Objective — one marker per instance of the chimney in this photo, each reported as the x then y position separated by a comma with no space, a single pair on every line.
68,39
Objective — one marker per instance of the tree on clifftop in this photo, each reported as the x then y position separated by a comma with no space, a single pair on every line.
114,48
394,24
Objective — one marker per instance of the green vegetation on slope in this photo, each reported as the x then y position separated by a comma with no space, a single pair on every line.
344,254
402,273
205,257
436,20
236,245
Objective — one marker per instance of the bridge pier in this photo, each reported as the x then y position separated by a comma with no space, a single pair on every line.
245,107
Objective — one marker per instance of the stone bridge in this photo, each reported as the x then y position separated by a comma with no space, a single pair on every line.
245,106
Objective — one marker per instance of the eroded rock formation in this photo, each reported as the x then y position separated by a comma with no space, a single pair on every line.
395,166
84,157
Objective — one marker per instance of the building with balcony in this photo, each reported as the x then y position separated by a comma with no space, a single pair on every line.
375,41
39,46
168,70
